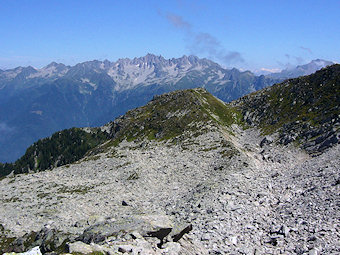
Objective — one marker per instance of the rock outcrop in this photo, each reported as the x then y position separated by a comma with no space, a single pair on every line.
305,110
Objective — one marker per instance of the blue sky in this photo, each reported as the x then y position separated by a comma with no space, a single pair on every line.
243,34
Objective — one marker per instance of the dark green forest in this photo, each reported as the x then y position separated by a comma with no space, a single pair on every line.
61,148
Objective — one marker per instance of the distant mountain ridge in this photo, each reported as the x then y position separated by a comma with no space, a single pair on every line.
35,103
125,73
301,70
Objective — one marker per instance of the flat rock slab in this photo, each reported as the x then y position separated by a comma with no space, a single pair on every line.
146,225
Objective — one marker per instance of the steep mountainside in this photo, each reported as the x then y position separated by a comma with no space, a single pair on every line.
183,175
34,103
305,110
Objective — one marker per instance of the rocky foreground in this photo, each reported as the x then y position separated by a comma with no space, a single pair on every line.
222,192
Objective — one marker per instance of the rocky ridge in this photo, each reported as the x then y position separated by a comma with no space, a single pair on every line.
305,110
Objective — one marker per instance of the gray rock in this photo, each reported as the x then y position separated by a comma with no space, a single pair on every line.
171,248
147,225
179,233
33,251
47,239
314,251
80,247
266,141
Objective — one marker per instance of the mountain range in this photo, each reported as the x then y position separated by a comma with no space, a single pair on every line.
34,103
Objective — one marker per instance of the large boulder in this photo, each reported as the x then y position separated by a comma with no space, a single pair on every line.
147,225
47,239
33,251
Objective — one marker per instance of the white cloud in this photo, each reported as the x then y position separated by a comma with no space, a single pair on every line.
271,70
4,128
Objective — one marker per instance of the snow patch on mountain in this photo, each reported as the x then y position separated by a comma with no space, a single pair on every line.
11,74
87,81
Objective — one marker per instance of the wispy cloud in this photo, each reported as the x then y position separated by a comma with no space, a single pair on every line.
292,61
270,70
299,60
287,65
233,56
203,43
265,71
4,128
178,21
306,49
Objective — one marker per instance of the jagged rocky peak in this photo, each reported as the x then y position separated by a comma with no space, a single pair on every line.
55,68
185,60
19,73
27,71
192,61
134,71
90,65
151,60
148,61
54,65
